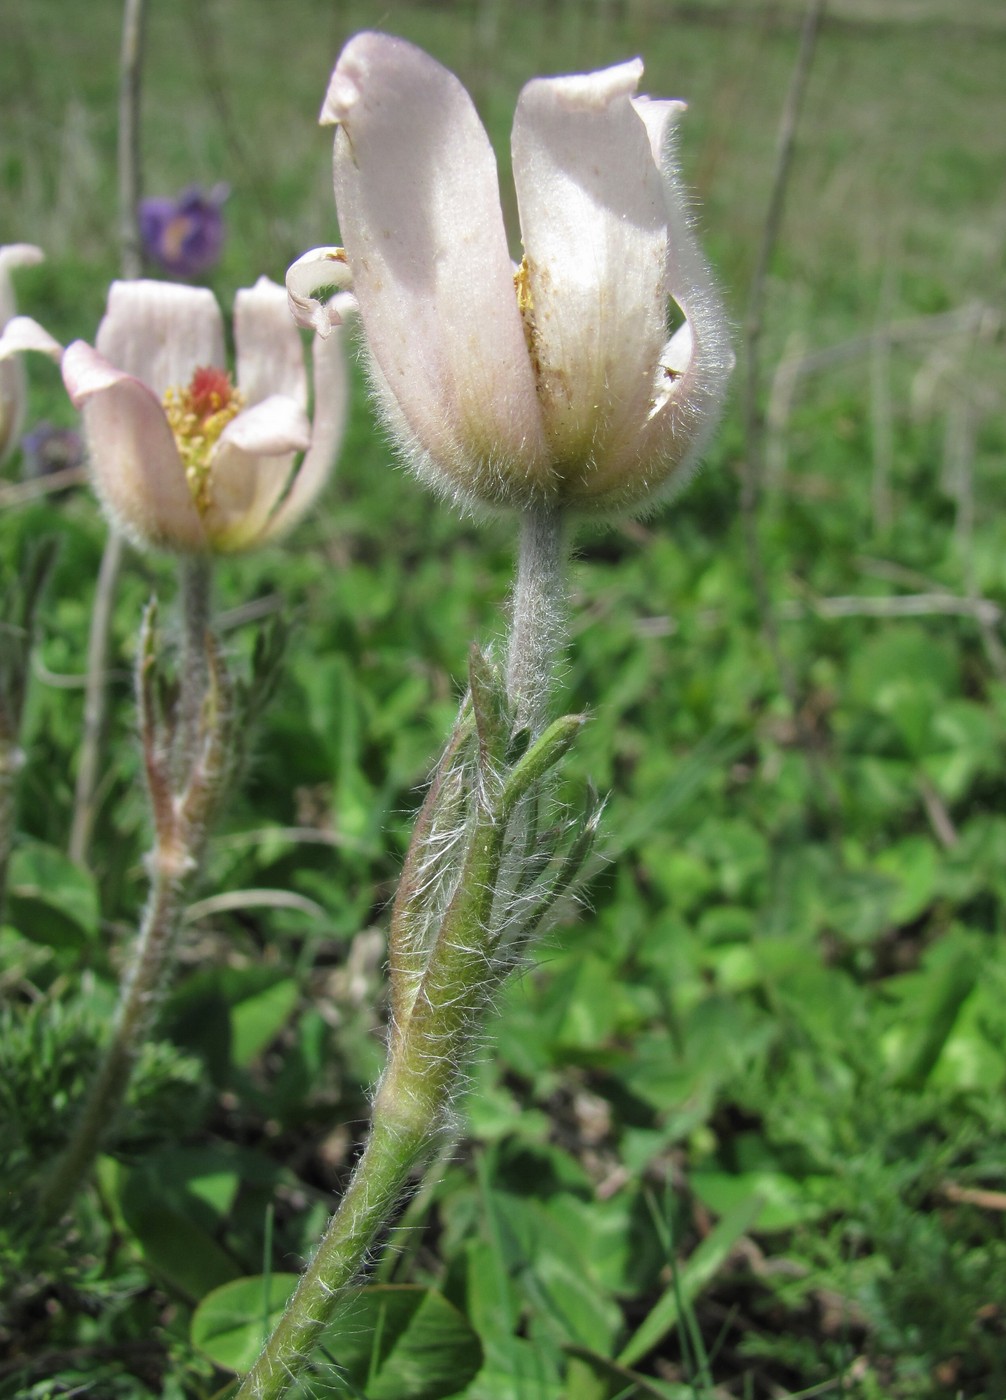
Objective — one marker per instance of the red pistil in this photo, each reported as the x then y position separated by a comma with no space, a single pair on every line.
210,391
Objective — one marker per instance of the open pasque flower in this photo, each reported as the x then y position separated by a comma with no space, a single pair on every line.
588,376
184,458
19,333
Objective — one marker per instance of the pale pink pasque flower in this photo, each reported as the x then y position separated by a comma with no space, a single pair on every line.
17,334
183,458
558,383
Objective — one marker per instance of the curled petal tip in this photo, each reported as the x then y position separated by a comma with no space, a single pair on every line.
22,333
583,92
317,271
342,96
20,255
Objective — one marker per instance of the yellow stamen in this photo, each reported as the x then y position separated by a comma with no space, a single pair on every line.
197,415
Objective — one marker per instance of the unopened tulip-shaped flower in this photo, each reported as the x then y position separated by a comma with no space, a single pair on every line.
562,382
184,458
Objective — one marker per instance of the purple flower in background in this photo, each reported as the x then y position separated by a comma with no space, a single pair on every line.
184,236
48,449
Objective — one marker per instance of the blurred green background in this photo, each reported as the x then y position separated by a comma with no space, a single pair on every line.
740,1129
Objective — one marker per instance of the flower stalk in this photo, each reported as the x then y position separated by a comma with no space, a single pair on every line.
439,1012
186,752
539,608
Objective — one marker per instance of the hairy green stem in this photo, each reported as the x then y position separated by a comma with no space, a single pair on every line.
538,616
429,1055
137,1005
196,586
183,777
439,1010
425,1070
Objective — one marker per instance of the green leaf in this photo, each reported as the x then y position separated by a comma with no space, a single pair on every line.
51,900
403,1343
786,1200
391,1342
699,1270
520,1370
258,1019
931,1001
231,1323
540,758
172,1220
620,1379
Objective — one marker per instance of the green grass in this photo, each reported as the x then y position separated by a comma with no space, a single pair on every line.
790,980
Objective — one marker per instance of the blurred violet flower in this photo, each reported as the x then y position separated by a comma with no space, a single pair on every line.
184,236
183,458
585,378
48,449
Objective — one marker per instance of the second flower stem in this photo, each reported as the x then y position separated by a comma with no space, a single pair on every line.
137,1003
174,769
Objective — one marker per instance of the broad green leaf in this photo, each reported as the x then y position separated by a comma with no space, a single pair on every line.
233,1321
398,1342
517,1370
786,1200
172,1237
964,742
914,863
50,899
258,1019
973,1057
931,1002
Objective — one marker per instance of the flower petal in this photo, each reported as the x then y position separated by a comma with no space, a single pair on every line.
14,255
270,356
250,469
135,465
19,334
594,228
419,212
695,365
243,494
331,398
161,333
19,255
22,333
274,425
319,269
